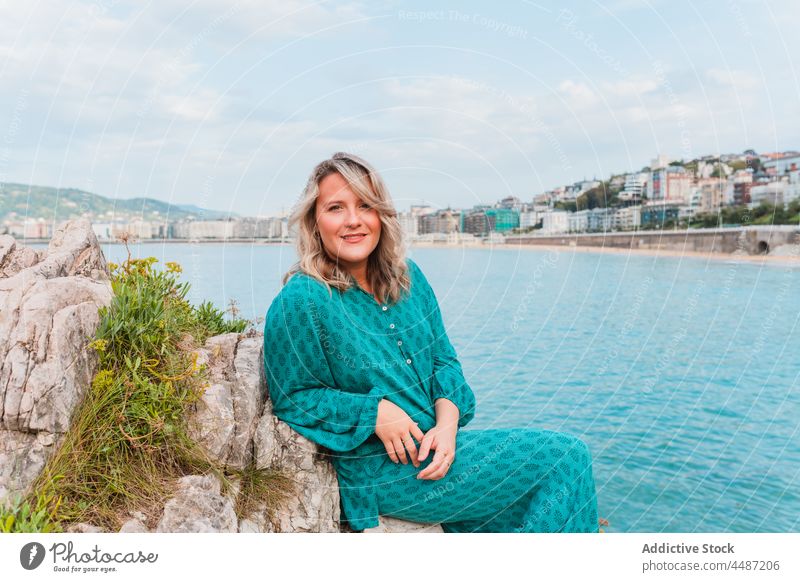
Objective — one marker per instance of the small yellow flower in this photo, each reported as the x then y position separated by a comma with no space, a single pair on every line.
112,267
174,267
99,345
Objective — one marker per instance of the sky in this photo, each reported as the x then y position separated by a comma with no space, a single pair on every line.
229,105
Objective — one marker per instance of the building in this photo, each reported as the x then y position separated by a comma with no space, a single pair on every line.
578,221
203,229
770,192
409,224
657,213
555,222
635,186
627,218
778,166
443,221
482,220
792,192
737,189
29,228
476,221
670,184
511,203
529,218
711,194
600,219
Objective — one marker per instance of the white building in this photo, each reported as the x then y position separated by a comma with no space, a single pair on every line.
30,228
600,219
635,185
793,187
555,222
627,218
710,194
578,221
771,192
529,218
103,230
199,229
783,165
409,224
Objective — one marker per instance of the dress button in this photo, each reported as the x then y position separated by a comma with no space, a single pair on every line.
399,343
385,308
408,361
391,326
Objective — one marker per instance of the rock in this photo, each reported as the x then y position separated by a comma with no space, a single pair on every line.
84,528
49,303
228,413
133,526
314,504
22,458
198,507
136,524
14,258
235,425
394,525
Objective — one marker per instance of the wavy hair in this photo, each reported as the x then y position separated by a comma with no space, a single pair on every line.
387,271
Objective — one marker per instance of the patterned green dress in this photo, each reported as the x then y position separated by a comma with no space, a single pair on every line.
331,357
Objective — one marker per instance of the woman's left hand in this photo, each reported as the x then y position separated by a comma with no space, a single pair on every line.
442,439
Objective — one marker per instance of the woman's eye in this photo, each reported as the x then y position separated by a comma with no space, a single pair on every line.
334,207
365,205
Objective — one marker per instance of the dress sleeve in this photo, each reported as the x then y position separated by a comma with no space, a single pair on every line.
448,377
301,385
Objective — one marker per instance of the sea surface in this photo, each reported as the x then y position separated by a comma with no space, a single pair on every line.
681,374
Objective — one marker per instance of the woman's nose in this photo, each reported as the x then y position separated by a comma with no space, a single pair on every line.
353,217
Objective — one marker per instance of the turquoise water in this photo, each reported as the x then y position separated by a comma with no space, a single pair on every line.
682,375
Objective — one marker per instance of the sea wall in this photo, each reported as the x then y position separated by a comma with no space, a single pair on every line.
783,240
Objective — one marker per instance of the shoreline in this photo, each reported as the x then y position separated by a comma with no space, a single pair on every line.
790,260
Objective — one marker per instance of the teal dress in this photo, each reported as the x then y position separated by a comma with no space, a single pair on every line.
331,358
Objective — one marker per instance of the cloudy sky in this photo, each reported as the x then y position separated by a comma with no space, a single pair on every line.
228,105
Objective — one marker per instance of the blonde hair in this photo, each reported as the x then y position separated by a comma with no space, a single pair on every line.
387,271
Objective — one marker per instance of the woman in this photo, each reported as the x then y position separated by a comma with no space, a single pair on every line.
357,360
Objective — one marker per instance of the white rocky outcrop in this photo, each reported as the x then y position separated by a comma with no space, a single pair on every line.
49,301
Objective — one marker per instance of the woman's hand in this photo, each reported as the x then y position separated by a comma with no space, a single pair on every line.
395,428
442,439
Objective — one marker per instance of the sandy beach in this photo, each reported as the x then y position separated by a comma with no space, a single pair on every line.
788,260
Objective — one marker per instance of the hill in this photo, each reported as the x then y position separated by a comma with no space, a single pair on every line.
20,201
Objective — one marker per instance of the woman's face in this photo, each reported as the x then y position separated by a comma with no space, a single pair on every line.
349,228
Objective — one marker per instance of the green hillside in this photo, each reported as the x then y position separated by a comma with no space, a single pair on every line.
64,203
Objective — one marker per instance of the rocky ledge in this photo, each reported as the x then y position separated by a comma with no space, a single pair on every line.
49,301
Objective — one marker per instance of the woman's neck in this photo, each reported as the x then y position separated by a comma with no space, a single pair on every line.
359,273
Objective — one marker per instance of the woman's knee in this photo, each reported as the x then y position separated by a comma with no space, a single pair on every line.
579,454
578,451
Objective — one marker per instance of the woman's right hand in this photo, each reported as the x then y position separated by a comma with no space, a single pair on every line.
395,428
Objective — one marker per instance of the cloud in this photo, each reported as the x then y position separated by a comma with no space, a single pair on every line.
578,95
630,87
737,79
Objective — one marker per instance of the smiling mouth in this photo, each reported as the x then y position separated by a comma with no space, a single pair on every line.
354,237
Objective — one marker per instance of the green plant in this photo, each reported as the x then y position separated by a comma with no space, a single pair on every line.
20,516
257,486
129,439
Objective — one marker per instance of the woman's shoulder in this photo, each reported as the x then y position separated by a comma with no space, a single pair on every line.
415,274
301,290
